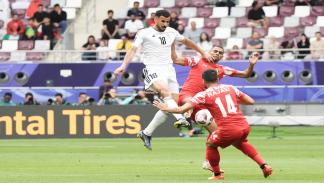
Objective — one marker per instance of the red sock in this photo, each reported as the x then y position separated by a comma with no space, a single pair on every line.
250,151
212,155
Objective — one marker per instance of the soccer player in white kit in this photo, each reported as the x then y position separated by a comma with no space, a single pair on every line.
159,72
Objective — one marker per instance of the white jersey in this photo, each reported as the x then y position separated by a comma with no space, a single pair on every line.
156,46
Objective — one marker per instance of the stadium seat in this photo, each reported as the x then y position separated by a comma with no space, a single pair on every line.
113,43
4,56
311,30
9,45
188,12
131,3
211,22
183,21
25,45
20,5
46,3
228,22
270,11
219,12
307,21
199,22
42,45
198,3
245,3
241,22
286,11
152,10
151,3
238,11
70,12
277,32
167,3
218,42
62,3
209,31
276,21
262,31
320,21
35,56
177,10
222,33
243,32
322,30
234,41
182,3
21,13
302,11
204,12
73,4
317,11
291,21
292,32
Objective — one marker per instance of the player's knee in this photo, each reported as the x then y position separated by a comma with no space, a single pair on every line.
203,117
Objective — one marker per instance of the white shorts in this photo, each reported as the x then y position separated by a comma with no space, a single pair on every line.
164,73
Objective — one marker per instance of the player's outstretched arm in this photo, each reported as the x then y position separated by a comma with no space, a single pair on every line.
192,45
181,109
128,57
176,60
253,59
246,100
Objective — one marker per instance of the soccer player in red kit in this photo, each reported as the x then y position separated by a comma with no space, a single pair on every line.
222,101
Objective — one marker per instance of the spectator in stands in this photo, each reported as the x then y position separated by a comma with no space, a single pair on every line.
91,44
181,29
254,43
273,47
59,17
15,28
193,32
136,11
257,16
105,88
123,46
316,2
6,101
272,2
234,54
301,3
288,44
204,42
150,22
30,100
40,14
303,44
110,98
174,20
32,8
83,99
317,46
225,3
110,27
59,100
138,98
30,30
132,26
103,52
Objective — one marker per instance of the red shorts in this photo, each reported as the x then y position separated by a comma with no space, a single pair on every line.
224,139
184,97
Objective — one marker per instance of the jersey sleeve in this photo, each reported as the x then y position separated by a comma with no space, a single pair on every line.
138,39
178,36
239,94
199,98
229,71
191,61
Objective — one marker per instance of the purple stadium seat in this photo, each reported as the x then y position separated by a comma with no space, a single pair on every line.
209,31
322,30
241,22
212,22
4,56
25,45
263,32
292,32
177,10
218,42
289,2
204,12
46,3
121,22
317,11
276,21
199,3
286,11
307,21
21,13
145,10
151,3
34,56
182,3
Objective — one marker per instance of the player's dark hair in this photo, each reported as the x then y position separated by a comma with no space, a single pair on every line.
210,76
110,11
59,95
164,13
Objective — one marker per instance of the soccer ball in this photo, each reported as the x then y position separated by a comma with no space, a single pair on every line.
203,117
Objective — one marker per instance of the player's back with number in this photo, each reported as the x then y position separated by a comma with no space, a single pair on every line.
222,101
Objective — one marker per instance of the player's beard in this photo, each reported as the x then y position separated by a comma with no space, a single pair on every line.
160,29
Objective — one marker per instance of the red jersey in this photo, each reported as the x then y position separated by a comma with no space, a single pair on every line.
194,82
222,102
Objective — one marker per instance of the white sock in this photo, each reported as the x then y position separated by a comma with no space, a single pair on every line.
171,103
159,118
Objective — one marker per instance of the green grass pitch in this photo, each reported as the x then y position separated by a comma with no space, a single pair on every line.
296,158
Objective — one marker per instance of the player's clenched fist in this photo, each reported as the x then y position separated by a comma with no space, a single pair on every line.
254,58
